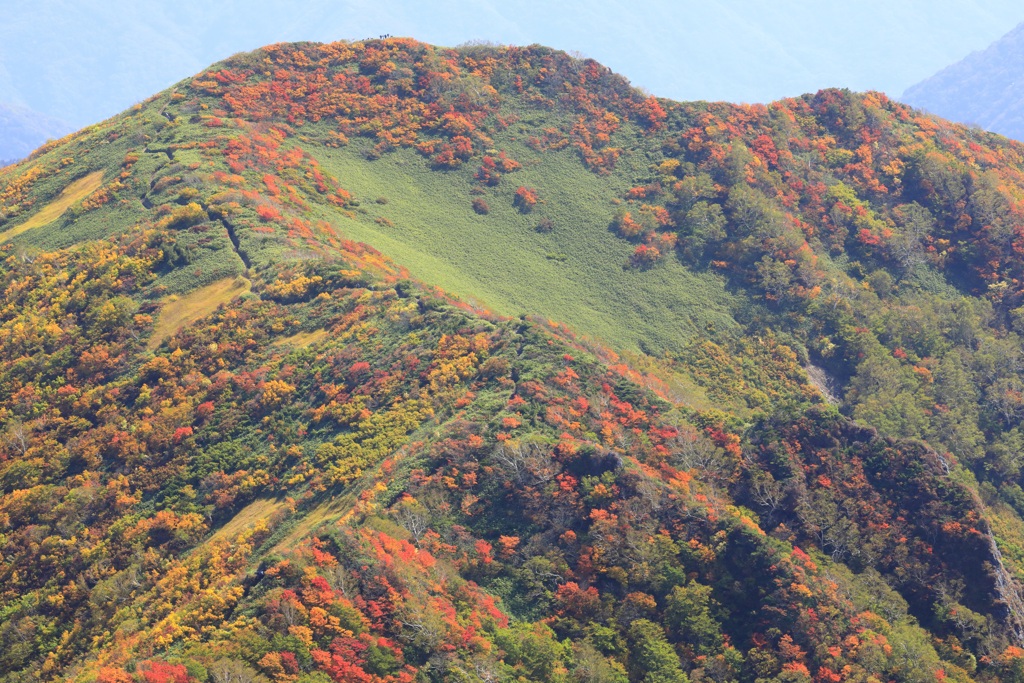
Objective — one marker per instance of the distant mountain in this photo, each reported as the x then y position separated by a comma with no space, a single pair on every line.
983,88
23,130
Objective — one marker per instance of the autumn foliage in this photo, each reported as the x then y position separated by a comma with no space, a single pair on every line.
344,475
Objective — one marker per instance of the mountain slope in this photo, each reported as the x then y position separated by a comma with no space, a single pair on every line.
240,445
981,89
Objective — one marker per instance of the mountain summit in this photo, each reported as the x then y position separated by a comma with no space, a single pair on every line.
381,361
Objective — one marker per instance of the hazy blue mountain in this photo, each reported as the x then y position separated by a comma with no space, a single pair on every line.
23,130
84,60
983,88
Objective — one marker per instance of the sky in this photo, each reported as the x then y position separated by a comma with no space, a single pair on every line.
83,60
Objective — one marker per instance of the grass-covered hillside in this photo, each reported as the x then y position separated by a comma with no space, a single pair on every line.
386,362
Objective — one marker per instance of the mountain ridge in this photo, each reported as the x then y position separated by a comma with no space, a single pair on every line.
84,62
241,445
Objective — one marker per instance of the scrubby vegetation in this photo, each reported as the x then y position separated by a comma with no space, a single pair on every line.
576,440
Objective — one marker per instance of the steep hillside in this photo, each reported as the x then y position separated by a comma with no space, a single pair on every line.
386,362
982,88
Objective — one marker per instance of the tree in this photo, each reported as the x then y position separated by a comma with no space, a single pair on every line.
1006,397
525,199
907,245
688,611
234,671
593,667
412,515
705,224
652,658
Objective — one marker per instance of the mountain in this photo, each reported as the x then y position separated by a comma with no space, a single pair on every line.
23,130
982,89
379,361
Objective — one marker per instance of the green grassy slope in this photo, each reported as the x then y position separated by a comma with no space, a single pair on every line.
577,274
